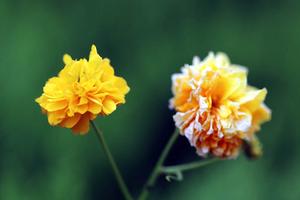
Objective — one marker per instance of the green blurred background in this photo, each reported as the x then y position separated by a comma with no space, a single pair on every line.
146,41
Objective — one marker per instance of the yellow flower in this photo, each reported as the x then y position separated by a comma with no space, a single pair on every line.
82,90
216,109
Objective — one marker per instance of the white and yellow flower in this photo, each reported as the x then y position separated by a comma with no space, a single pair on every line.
215,107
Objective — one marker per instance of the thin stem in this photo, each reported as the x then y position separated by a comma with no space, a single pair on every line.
186,167
156,170
112,162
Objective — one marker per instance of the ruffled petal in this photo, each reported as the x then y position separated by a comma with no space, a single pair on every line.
82,126
109,106
69,122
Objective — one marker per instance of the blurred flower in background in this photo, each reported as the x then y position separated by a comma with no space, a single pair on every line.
82,90
216,109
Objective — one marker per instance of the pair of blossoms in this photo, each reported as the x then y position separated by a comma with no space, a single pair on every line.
216,110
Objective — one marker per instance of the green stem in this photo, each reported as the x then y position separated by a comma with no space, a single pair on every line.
156,170
186,167
112,162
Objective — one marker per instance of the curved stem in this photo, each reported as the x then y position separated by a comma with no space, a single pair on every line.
156,170
112,162
186,167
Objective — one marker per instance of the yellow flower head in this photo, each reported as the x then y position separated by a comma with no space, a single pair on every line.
82,90
216,109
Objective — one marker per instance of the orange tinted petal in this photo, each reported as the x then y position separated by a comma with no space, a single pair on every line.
69,122
82,126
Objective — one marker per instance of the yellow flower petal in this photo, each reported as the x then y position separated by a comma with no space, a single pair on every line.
67,59
54,118
109,106
121,84
69,122
253,98
56,105
82,108
94,107
262,114
94,54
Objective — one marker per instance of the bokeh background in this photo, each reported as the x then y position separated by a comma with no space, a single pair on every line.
146,41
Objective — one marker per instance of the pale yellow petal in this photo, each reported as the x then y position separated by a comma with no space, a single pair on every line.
262,114
253,98
224,111
222,59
